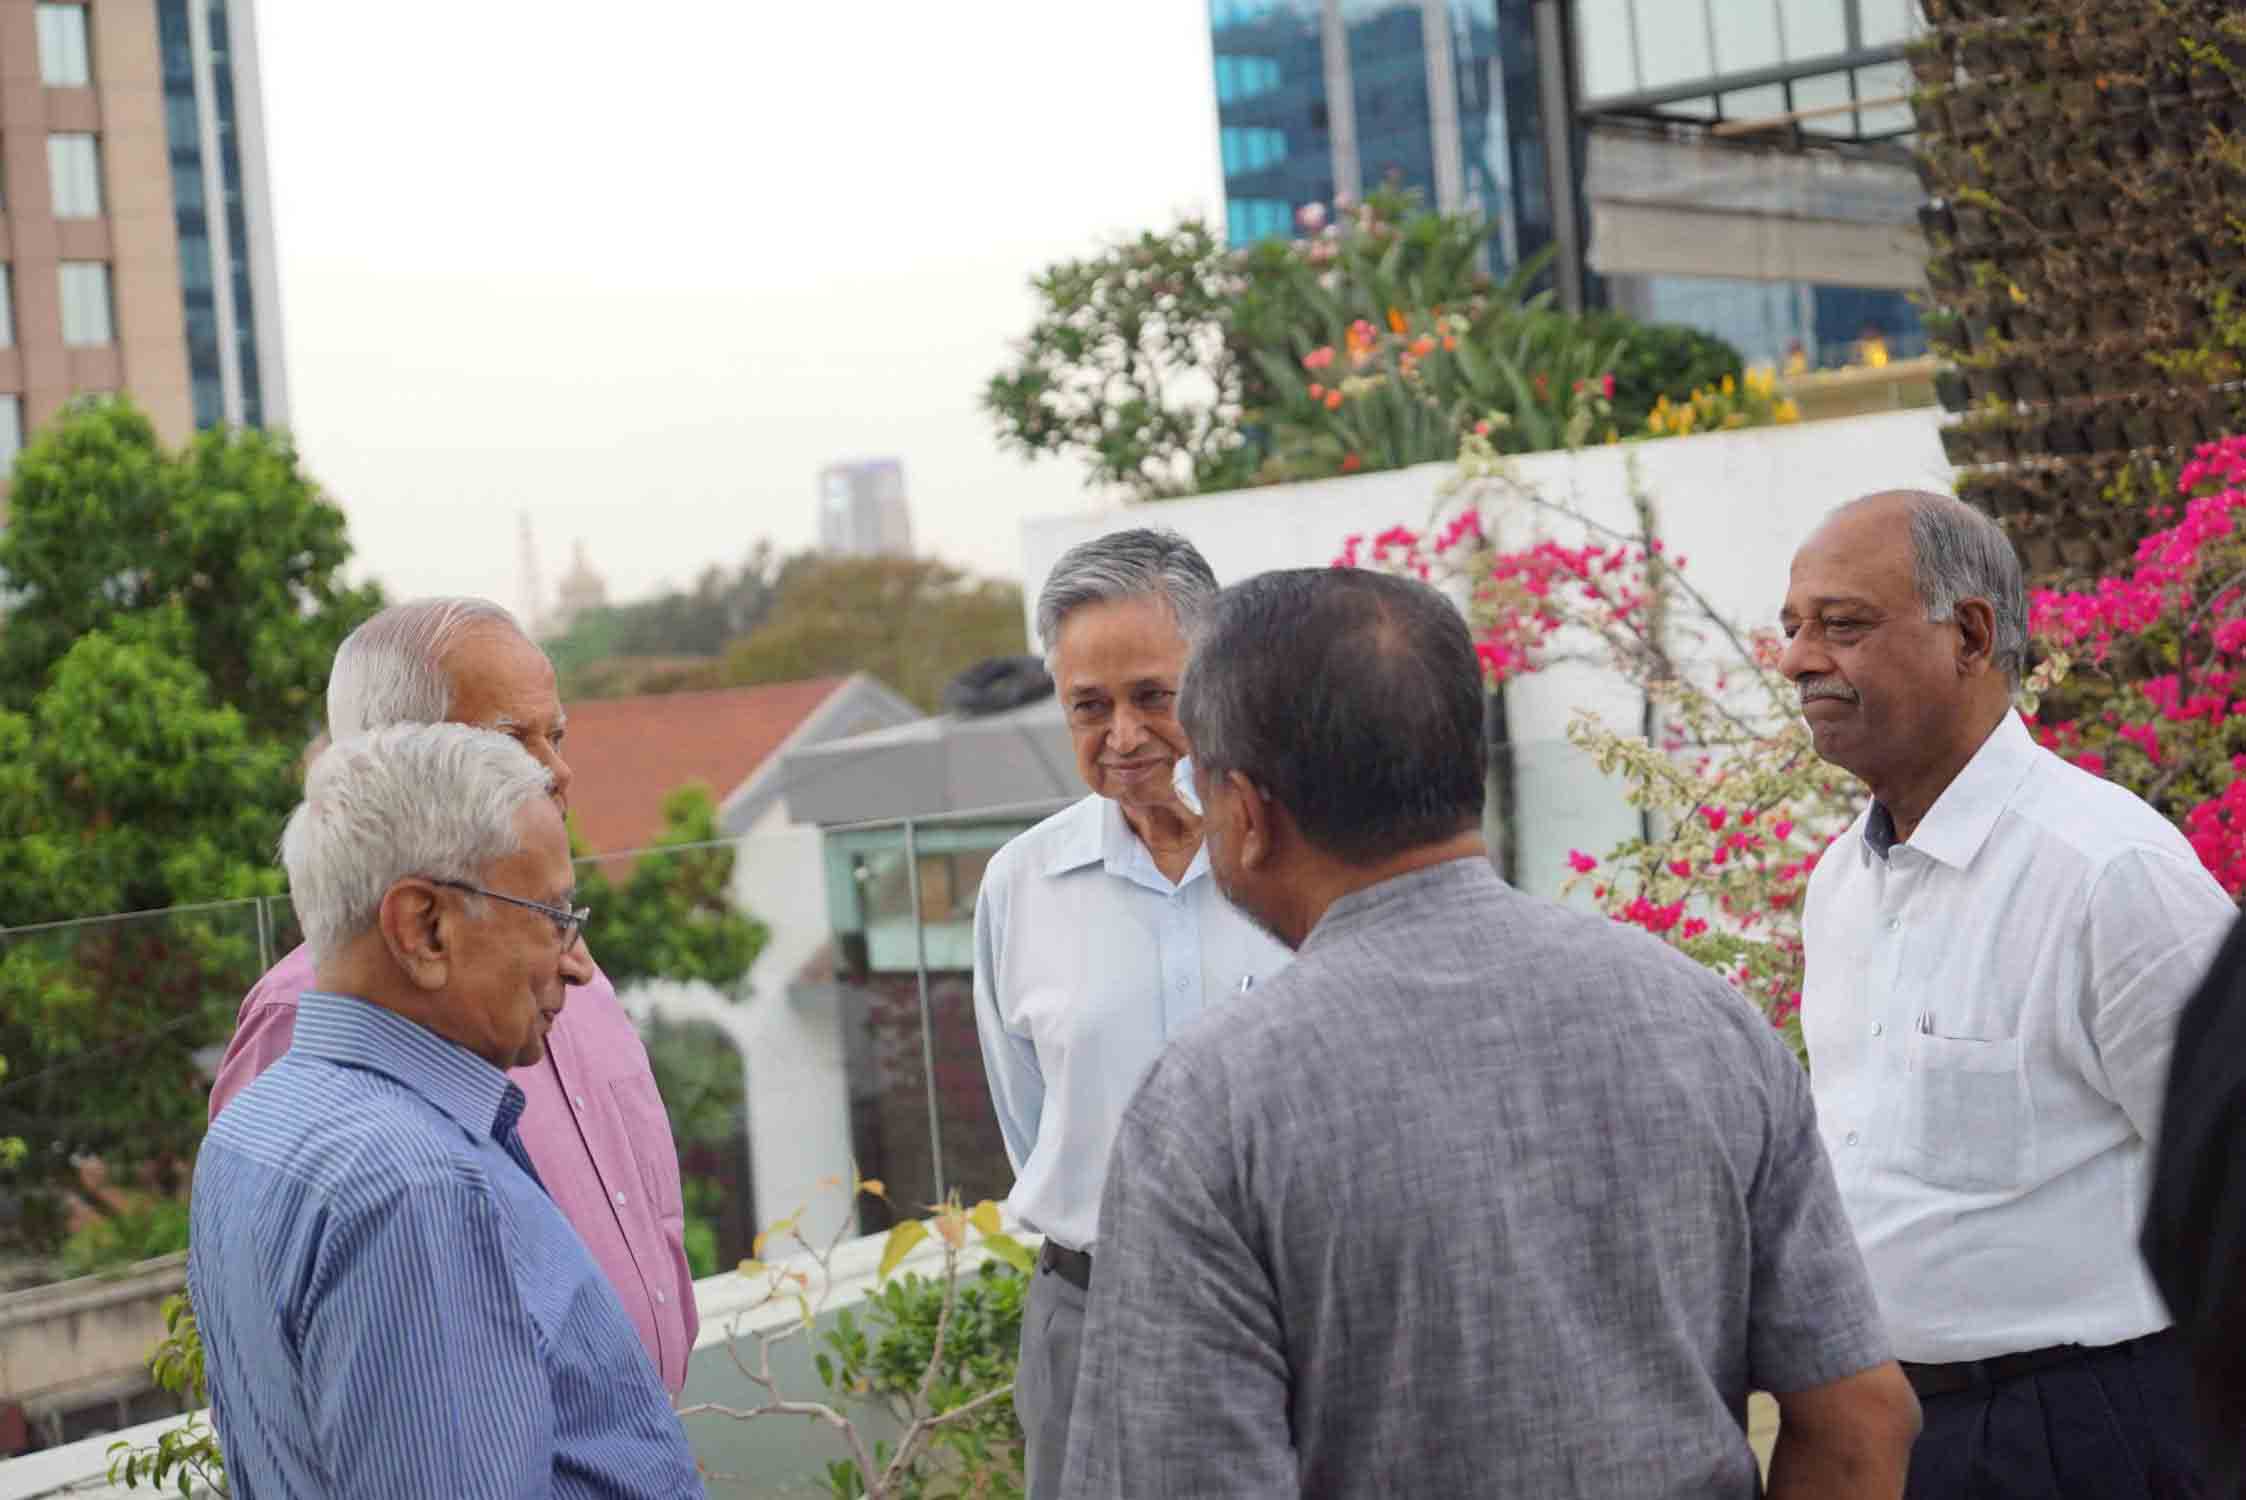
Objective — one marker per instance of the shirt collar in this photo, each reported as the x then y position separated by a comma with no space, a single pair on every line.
353,1033
1415,889
1095,832
1962,818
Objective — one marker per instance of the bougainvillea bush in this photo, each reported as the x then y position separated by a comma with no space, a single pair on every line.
1738,806
2155,656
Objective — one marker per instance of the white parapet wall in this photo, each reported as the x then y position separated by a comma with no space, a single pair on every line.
1733,505
770,1455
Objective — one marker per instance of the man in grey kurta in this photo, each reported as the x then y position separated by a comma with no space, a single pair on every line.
1478,1196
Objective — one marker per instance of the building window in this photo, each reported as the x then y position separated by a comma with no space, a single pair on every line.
86,319
11,432
1251,148
7,309
1247,220
64,61
74,162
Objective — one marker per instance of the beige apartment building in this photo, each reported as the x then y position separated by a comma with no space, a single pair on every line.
135,224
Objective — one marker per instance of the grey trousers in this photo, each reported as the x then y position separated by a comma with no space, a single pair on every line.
1045,1380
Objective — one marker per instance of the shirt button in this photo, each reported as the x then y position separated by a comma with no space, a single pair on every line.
578,1100
1894,924
658,1299
1853,1138
619,1200
1878,1030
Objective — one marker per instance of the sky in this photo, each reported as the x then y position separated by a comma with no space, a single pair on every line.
642,271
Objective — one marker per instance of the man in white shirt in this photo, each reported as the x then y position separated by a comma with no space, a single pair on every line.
1098,934
1998,950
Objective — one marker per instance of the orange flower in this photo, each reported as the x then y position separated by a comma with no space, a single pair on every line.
1449,343
1351,463
1396,321
1423,346
1317,391
1333,401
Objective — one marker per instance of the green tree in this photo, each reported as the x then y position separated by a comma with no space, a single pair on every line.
673,916
172,616
724,605
914,623
1171,364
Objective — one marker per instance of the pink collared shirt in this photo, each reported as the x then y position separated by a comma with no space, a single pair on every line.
595,1129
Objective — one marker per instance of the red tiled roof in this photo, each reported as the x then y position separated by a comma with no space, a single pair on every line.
628,754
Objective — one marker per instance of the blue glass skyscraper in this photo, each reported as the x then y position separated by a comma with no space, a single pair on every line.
228,285
1319,98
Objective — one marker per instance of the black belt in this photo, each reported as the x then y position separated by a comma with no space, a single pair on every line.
1072,1266
1986,1374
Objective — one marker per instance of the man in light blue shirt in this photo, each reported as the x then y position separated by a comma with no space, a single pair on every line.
1099,934
390,1304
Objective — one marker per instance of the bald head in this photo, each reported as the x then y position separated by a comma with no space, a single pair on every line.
1956,553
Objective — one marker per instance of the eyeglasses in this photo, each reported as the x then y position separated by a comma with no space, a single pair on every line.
568,921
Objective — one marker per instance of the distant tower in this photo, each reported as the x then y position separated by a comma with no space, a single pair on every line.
533,587
581,589
862,510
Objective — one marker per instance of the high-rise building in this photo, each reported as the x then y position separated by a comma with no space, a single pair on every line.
1323,97
862,511
1736,165
136,241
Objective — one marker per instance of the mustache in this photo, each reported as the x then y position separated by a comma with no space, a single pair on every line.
1814,688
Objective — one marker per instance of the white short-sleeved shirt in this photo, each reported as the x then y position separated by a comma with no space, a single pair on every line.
1087,960
1989,1009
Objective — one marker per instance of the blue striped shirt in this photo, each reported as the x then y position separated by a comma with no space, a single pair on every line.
390,1304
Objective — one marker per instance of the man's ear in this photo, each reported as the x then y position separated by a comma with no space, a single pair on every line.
1976,629
1253,813
417,927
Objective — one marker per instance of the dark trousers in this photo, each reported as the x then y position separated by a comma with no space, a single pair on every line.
2115,1424
1045,1378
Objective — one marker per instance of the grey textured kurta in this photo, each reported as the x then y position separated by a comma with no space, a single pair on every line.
1479,1196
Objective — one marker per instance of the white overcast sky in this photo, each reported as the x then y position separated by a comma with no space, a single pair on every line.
643,269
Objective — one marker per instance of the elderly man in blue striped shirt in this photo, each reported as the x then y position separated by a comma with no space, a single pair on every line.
390,1303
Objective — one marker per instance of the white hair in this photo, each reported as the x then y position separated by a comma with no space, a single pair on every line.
1150,562
391,669
435,800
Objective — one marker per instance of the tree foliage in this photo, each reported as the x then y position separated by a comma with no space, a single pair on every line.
171,621
914,623
1171,363
722,606
673,916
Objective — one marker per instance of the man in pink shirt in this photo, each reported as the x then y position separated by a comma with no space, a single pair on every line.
594,1124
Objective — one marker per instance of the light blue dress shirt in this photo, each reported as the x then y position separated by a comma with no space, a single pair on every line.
1087,961
391,1305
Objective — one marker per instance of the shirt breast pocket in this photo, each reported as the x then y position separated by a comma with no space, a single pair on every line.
647,1133
1972,1121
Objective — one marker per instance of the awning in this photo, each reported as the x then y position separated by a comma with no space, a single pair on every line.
1667,207
945,765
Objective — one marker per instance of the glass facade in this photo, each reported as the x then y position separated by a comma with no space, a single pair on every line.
1275,134
200,264
1493,48
1637,56
1271,114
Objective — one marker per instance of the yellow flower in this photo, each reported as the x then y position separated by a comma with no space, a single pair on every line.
1729,386
1762,380
1786,411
